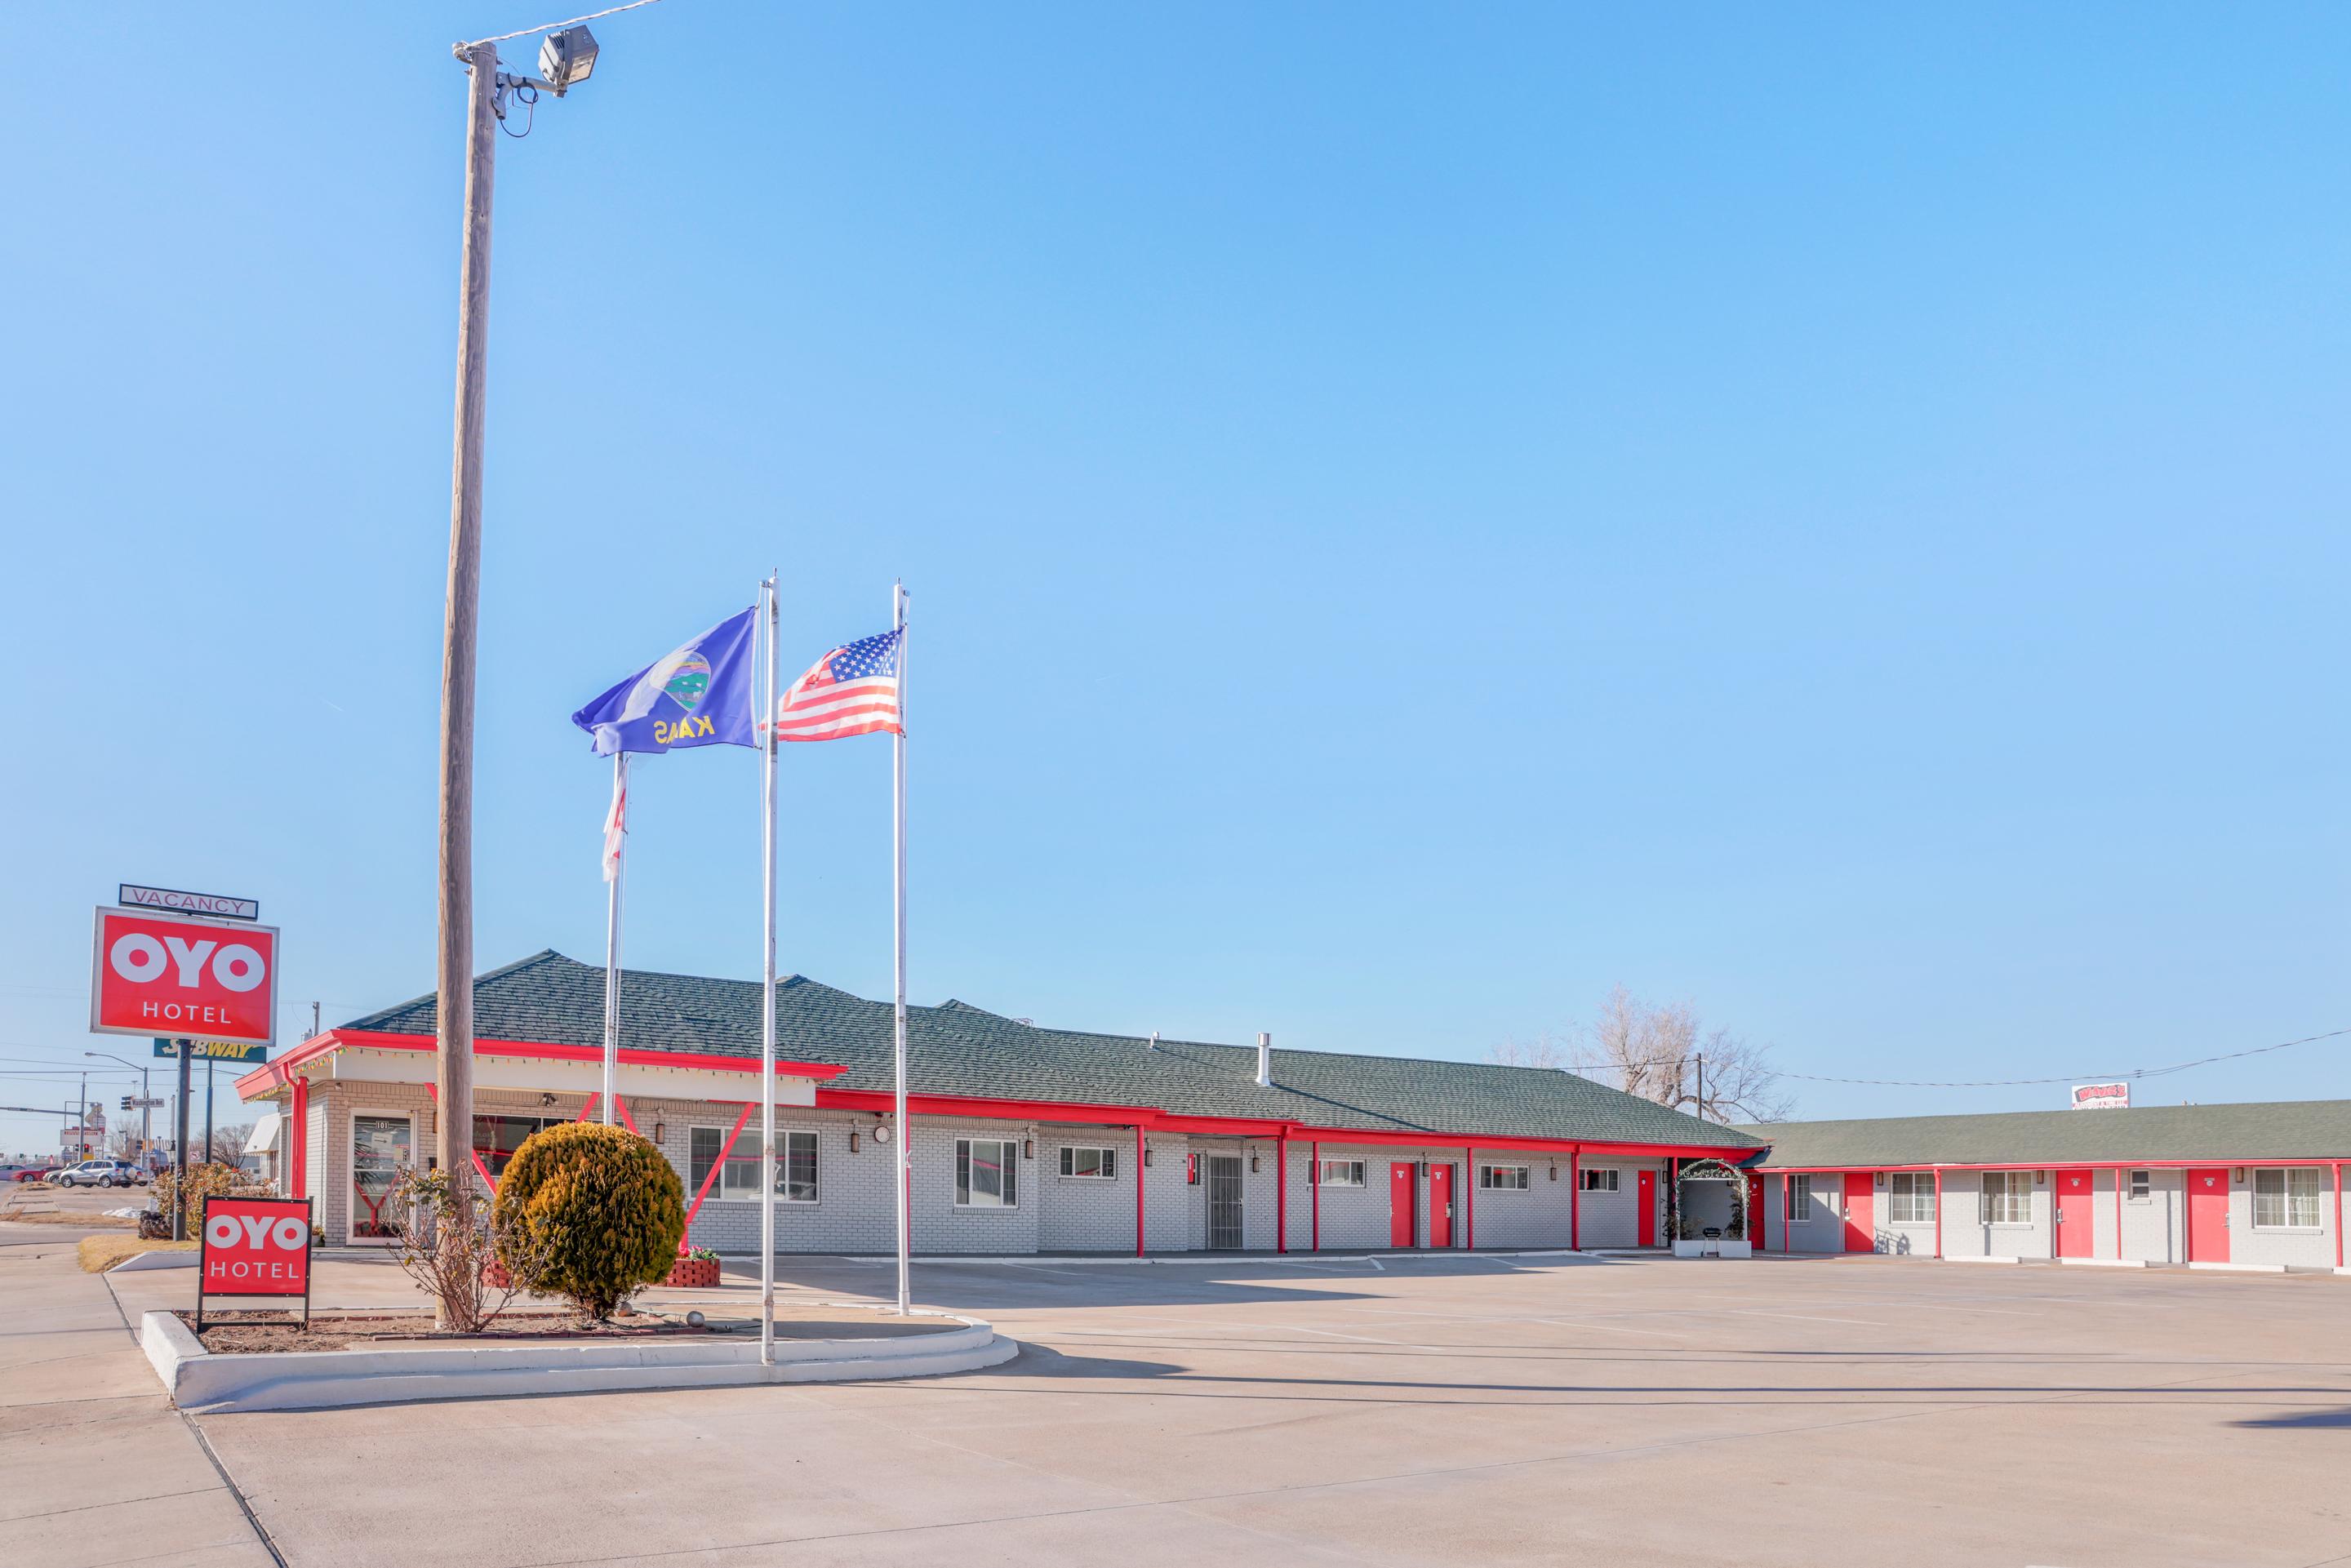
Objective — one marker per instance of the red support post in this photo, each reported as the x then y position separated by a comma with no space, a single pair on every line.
1939,1212
710,1176
2338,1214
1281,1195
297,1146
1469,1199
2119,1214
1314,1194
1138,1189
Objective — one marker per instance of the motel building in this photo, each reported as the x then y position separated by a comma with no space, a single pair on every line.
2246,1186
1026,1139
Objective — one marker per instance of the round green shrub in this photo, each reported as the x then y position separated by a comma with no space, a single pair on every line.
589,1212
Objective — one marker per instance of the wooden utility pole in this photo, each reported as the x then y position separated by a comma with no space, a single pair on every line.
454,1141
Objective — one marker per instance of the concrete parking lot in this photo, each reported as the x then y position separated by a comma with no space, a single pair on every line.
1425,1410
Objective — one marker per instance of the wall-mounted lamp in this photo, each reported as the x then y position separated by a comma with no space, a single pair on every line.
660,1131
1027,1148
2238,1175
852,1140
1554,1170
1881,1181
2041,1178
1252,1164
1146,1154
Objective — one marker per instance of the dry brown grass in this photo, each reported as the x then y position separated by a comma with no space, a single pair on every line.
100,1253
68,1216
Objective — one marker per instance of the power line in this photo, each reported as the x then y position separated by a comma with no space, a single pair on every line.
558,27
2131,1072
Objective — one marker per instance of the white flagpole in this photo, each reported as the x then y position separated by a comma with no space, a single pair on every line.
898,904
764,730
619,864
767,993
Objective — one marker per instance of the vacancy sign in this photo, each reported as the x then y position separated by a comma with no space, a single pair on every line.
156,973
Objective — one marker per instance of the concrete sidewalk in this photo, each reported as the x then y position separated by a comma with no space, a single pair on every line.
96,1468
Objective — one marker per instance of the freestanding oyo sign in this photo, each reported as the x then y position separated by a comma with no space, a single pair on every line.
156,972
254,1246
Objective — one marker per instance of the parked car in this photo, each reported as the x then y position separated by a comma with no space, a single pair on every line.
99,1173
26,1171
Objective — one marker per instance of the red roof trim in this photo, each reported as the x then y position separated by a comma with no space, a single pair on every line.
277,1074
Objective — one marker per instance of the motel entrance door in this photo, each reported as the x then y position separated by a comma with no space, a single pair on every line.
2208,1217
1224,1202
1440,1205
383,1149
2076,1199
1403,1193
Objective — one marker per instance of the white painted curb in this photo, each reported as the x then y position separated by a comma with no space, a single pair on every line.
2106,1262
201,1381
1966,1259
139,1260
1212,1261
2242,1267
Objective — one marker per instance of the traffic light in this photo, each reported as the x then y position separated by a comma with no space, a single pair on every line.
126,1101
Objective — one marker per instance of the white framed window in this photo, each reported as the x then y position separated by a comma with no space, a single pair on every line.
2142,1187
795,1164
2286,1198
1502,1178
1600,1181
1081,1162
987,1173
2007,1199
1910,1198
1342,1173
1796,1201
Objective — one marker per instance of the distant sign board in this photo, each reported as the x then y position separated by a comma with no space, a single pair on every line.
152,972
217,1049
2101,1096
219,906
254,1247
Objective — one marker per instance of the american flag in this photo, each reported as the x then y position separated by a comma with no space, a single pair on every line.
853,690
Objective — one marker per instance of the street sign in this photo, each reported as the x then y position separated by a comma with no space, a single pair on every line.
153,971
171,898
217,1049
254,1246
145,1102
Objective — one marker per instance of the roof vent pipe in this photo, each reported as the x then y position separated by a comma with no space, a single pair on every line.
1264,1058
1152,1044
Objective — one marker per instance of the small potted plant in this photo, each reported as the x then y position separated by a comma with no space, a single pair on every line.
696,1269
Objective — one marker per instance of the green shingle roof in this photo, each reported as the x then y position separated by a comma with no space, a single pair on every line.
2277,1129
955,1049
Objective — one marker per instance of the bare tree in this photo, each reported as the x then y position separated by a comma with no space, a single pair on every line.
1657,1052
1544,1051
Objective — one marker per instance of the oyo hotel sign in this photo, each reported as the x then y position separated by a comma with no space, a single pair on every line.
157,972
2101,1096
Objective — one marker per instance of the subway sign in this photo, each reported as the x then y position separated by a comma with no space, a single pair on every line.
213,1050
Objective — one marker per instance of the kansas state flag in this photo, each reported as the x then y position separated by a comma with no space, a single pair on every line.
698,694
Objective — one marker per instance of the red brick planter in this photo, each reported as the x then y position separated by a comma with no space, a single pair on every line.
693,1274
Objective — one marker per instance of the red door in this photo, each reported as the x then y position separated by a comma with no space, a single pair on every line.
1755,1211
1648,1237
2076,1192
1860,1212
2208,1217
1400,1194
1440,1206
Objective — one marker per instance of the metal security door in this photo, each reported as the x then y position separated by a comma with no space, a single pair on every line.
1403,1193
1440,1206
1224,1202
2076,1192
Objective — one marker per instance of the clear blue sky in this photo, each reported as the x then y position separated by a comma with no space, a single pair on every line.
1415,515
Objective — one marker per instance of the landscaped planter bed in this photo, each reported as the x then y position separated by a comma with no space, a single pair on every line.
269,1333
390,1365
